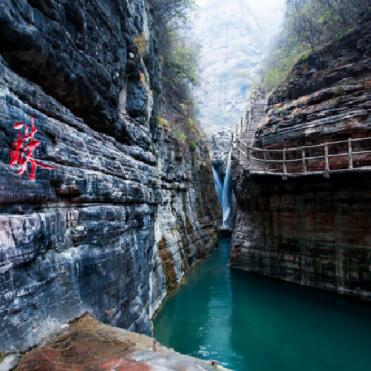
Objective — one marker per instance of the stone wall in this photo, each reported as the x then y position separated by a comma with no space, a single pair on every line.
313,230
85,235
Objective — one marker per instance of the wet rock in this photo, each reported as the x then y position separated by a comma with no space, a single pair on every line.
220,145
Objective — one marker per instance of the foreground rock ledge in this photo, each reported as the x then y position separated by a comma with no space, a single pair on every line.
87,344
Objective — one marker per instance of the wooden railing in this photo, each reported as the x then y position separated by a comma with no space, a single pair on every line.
240,128
324,158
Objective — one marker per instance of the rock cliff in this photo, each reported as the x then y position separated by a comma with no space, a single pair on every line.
313,230
119,210
326,97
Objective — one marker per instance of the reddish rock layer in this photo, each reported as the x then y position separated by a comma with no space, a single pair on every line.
89,345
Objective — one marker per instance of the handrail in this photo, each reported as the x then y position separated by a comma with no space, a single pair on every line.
292,149
286,160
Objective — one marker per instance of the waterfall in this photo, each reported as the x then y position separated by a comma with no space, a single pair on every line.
223,189
227,191
218,185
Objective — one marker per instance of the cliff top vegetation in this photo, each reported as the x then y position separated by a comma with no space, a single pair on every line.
179,57
308,26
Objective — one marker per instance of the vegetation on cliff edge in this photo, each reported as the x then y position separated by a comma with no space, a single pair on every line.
309,25
179,56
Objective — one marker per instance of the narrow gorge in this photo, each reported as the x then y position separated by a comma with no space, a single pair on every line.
185,185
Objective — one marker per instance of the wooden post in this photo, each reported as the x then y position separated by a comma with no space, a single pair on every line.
304,161
248,160
327,163
238,149
350,153
284,164
265,162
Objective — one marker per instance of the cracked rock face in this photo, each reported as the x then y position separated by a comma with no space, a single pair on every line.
312,230
84,235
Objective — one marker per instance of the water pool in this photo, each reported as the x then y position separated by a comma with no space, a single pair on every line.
252,323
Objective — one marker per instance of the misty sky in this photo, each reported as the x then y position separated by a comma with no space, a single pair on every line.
268,13
234,36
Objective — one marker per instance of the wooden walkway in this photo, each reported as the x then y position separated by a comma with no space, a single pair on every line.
353,154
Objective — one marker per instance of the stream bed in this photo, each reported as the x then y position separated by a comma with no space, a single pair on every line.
252,323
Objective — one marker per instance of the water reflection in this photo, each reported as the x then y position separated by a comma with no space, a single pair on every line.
252,323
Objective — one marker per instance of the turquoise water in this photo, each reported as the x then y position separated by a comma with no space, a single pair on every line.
256,324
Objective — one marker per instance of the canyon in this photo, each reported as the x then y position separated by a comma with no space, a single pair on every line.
113,199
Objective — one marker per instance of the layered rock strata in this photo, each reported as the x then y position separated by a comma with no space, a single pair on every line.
313,230
326,98
123,210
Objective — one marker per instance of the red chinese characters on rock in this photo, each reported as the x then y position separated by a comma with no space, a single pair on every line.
21,153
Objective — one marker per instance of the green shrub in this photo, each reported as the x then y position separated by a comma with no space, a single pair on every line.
180,136
179,65
141,43
279,64
308,25
163,122
192,146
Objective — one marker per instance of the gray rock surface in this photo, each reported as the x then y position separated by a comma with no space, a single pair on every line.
85,236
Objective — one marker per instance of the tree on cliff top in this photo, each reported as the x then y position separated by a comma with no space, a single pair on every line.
172,13
316,22
178,52
179,56
308,25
